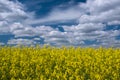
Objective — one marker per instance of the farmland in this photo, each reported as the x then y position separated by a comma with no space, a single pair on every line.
50,63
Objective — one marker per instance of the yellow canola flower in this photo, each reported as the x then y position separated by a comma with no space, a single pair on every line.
65,63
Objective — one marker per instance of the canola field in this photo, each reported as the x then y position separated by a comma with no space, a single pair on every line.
50,63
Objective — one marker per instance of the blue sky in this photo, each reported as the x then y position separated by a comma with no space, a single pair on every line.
86,23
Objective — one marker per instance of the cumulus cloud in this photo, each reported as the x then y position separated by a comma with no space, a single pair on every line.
1,44
21,30
4,27
98,6
103,11
58,15
21,41
115,22
10,13
93,17
98,10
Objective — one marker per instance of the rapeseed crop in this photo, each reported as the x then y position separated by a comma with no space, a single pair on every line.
50,63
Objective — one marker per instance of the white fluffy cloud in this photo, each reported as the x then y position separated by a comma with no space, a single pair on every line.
4,27
1,43
98,6
10,13
103,11
60,16
93,16
21,42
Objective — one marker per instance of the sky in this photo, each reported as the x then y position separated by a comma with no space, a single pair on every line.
85,23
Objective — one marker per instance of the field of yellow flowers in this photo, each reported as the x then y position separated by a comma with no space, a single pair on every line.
50,63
